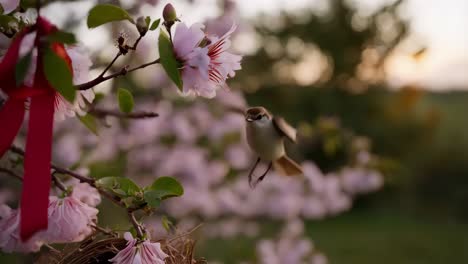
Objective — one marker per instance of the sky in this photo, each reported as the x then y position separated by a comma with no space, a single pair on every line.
437,25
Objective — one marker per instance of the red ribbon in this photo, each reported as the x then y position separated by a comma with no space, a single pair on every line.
38,152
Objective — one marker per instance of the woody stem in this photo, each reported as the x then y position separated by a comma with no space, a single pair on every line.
123,71
90,181
135,223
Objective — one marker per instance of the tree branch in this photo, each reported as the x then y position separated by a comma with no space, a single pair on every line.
57,182
123,71
85,179
135,115
110,64
11,173
135,223
136,43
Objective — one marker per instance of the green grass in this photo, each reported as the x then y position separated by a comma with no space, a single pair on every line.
365,237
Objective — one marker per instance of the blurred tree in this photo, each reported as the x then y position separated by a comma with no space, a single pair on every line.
330,63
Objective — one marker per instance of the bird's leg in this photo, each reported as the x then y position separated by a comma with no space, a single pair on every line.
264,174
252,171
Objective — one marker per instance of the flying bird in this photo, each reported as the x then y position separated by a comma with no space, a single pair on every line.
265,136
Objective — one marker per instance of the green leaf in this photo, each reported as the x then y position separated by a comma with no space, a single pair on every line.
125,100
98,97
90,122
105,13
119,185
22,68
62,37
59,75
7,21
166,223
166,187
168,60
148,21
152,198
155,24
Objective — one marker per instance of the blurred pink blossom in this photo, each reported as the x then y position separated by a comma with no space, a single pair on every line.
289,247
9,5
136,252
84,192
70,220
238,156
360,180
9,236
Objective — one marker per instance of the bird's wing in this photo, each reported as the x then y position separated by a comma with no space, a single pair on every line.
284,128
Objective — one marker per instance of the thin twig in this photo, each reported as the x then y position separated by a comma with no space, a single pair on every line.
73,174
185,234
135,115
135,223
82,178
109,196
57,182
101,78
103,230
110,64
91,182
136,43
11,173
123,71
57,169
51,248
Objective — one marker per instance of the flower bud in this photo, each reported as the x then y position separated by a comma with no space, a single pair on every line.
169,14
141,25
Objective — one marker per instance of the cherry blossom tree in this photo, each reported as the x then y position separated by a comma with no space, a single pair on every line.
188,143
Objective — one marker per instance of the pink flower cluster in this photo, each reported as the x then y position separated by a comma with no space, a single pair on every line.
70,220
206,63
289,247
139,252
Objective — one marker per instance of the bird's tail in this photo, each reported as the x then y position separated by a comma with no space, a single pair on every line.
287,166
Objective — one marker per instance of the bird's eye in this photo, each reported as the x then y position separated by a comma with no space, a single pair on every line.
258,117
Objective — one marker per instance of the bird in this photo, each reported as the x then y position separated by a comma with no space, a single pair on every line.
265,136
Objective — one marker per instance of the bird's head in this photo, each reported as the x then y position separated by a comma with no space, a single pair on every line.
257,113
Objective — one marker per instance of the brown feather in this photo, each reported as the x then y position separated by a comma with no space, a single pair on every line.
287,166
257,110
284,128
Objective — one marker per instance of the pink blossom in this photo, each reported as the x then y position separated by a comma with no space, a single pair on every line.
84,192
223,64
70,220
289,247
238,156
205,68
360,180
9,236
136,252
9,5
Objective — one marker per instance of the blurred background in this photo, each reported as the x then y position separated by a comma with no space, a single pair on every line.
375,85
